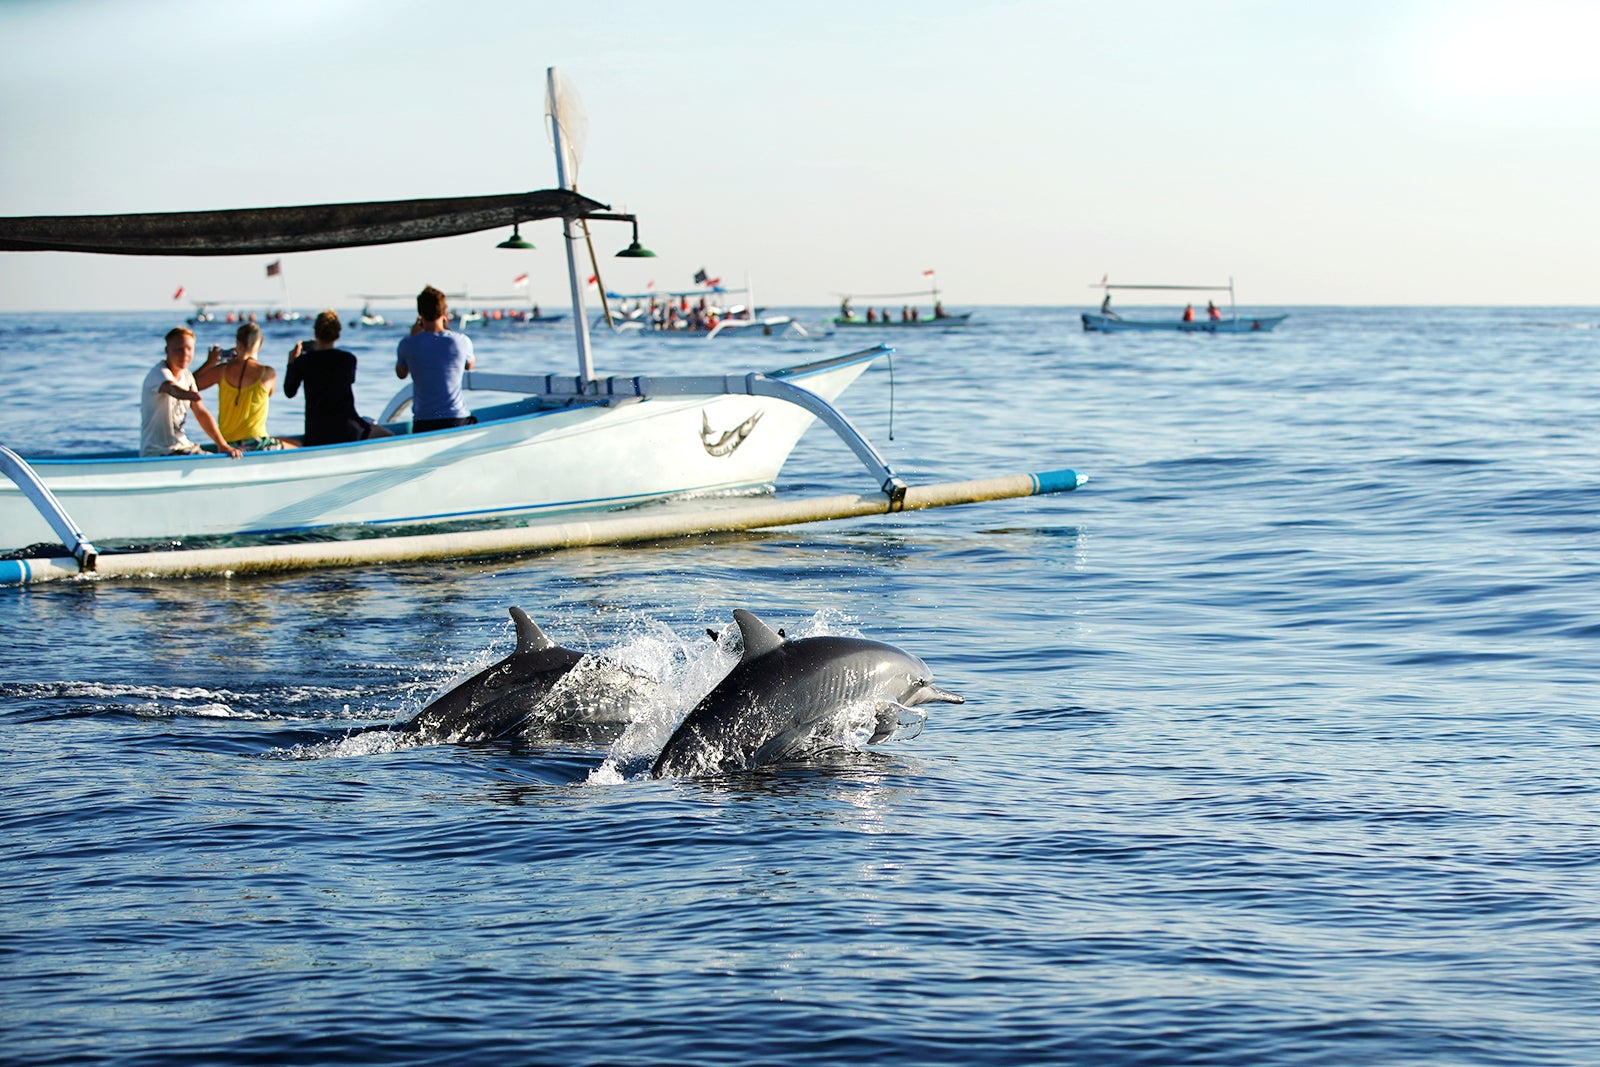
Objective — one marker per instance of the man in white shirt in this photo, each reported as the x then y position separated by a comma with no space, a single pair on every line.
166,399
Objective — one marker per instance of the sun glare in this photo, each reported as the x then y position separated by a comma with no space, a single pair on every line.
1510,54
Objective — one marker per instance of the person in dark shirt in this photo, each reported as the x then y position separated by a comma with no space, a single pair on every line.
329,375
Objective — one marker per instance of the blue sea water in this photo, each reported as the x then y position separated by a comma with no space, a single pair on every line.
1281,742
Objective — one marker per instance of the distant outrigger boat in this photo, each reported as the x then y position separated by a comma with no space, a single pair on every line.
705,312
570,444
910,316
1107,321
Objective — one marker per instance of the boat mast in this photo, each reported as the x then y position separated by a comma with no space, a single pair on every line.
569,182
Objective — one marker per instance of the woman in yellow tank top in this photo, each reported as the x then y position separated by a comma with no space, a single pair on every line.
243,388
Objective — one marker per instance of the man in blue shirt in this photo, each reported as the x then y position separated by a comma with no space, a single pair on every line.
434,357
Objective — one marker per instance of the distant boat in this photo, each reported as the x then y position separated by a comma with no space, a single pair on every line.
370,318
1210,321
705,312
909,315
504,311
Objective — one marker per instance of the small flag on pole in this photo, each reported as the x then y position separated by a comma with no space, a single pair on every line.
700,276
275,268
520,280
651,284
593,278
926,273
179,294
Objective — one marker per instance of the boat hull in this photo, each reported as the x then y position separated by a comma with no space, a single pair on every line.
895,324
551,460
1253,324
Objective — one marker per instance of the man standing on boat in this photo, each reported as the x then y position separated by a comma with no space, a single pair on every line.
167,397
435,357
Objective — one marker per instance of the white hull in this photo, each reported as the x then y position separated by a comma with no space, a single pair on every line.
542,461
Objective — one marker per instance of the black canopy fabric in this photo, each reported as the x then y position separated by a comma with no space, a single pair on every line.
251,231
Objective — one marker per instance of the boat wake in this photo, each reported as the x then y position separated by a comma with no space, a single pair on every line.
75,700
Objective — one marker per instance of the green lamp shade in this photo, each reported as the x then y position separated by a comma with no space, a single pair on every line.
516,239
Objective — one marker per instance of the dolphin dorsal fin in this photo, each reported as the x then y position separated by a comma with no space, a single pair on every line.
529,637
759,638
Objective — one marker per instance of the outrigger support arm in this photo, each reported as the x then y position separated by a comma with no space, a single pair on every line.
610,390
762,385
45,501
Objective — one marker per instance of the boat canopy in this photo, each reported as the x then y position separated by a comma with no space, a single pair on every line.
934,292
1182,288
674,293
251,231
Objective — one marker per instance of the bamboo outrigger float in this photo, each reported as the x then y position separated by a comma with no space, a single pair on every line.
570,444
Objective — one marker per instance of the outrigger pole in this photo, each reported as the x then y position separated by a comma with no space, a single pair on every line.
527,540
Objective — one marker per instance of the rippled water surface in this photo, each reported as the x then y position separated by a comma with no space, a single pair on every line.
1281,742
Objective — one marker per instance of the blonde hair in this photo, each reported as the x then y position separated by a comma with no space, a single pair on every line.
178,331
248,338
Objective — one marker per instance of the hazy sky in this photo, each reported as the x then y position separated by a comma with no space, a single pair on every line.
1400,151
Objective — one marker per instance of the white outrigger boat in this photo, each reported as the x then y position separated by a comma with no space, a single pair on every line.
1107,321
706,313
569,444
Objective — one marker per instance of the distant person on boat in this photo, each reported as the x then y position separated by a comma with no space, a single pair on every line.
1105,307
435,357
1211,311
244,386
167,397
845,311
872,315
938,309
329,375
1188,313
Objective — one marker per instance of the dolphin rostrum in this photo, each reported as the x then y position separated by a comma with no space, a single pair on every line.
789,699
540,691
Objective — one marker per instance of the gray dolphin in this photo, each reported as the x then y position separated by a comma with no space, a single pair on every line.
788,699
540,692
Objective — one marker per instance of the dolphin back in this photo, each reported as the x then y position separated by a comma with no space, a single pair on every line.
498,699
788,700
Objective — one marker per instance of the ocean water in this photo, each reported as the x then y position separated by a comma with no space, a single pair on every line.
1281,742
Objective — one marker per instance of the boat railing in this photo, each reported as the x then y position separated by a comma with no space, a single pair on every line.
571,388
45,502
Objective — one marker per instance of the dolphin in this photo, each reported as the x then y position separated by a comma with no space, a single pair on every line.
790,699
541,691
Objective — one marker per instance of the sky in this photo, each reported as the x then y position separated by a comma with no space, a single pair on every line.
1395,152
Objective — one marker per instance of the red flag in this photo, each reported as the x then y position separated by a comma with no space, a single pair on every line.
651,284
521,279
712,283
926,273
275,267
593,278
179,294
